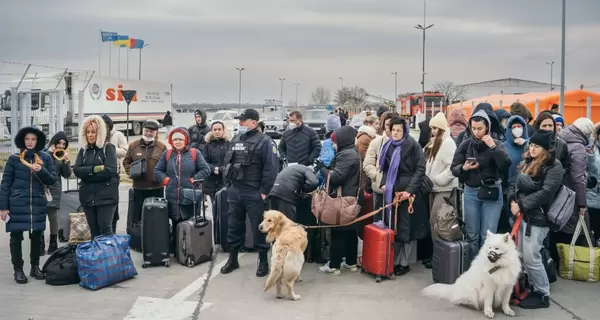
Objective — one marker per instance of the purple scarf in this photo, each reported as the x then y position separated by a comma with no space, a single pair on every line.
394,165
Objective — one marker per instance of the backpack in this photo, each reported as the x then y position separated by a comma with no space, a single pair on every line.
192,150
61,268
448,225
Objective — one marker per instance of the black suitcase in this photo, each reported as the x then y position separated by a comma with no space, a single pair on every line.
131,220
134,225
155,232
450,260
221,226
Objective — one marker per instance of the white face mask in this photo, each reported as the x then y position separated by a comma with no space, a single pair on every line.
148,139
292,125
517,132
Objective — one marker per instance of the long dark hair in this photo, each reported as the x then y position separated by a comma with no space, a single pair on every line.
434,145
543,116
384,116
532,166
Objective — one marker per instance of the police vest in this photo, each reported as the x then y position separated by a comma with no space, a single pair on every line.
245,159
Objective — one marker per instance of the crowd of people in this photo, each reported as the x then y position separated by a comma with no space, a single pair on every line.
506,163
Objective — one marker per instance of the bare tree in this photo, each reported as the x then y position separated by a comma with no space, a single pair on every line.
355,96
451,91
321,96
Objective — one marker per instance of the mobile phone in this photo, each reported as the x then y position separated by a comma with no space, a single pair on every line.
472,160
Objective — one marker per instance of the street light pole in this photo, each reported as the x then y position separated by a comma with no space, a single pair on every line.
424,28
140,65
562,58
342,91
395,73
297,84
240,89
551,64
282,80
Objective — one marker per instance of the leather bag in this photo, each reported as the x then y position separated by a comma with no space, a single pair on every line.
335,210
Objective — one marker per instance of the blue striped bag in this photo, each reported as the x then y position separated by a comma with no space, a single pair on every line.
104,261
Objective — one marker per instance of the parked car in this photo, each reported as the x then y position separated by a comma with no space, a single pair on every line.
274,122
316,119
226,116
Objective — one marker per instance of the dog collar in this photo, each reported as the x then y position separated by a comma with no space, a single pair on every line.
494,269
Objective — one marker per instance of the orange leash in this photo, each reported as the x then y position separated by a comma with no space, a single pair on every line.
411,199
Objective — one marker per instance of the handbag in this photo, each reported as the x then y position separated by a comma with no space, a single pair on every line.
579,263
561,209
488,191
79,228
138,168
335,210
448,224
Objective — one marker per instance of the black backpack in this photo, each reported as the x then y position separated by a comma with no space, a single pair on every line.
61,267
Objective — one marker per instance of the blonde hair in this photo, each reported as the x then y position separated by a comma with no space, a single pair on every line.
370,120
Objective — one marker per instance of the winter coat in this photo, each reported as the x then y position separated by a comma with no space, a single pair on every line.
371,163
152,152
365,135
326,155
168,119
493,163
177,172
438,169
117,139
22,189
62,170
97,188
496,129
534,194
198,131
292,181
411,173
515,151
577,178
424,133
300,145
593,167
214,154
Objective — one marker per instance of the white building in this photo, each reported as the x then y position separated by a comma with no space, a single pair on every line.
506,86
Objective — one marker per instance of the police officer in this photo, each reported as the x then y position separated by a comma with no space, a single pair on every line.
251,168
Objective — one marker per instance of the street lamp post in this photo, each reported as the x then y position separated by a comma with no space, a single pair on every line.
424,28
395,73
342,90
240,89
562,58
140,65
297,84
551,64
282,80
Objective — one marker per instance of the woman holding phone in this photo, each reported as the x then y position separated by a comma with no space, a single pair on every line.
480,162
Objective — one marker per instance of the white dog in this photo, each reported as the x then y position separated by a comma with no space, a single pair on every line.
489,281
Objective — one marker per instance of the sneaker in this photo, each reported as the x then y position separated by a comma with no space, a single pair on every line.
326,269
535,300
346,267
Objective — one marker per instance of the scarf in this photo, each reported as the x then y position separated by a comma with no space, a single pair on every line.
394,165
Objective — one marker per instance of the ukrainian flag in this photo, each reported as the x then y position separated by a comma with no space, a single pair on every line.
122,41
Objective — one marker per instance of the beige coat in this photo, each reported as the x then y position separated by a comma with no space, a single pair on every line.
371,163
438,169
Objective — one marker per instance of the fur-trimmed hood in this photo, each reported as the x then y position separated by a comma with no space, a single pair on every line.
209,137
20,138
368,130
102,131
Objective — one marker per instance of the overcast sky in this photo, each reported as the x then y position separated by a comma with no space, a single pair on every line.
197,45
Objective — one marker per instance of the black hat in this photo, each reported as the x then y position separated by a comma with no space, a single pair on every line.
542,138
248,114
150,124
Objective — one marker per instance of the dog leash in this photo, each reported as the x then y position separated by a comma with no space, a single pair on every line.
411,199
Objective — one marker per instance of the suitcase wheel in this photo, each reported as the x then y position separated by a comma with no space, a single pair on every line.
378,279
189,262
393,277
167,264
144,266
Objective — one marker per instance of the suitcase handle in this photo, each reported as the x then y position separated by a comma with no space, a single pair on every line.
199,221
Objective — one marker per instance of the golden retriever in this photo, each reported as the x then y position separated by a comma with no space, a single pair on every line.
287,256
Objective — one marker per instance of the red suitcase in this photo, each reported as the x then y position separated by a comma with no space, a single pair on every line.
378,250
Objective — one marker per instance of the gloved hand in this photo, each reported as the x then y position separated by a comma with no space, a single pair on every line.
98,168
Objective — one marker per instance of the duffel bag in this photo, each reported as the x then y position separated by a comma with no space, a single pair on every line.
105,261
61,267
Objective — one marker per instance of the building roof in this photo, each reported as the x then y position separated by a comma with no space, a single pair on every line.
510,79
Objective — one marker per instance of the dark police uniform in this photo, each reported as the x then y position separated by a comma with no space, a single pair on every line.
252,165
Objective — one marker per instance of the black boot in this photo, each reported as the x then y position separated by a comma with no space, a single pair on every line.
36,273
428,263
16,256
263,264
232,262
20,277
53,245
34,255
42,247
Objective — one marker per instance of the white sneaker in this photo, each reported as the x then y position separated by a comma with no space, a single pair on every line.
326,269
346,267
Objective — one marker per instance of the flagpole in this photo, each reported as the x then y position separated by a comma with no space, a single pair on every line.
127,63
110,59
100,54
119,62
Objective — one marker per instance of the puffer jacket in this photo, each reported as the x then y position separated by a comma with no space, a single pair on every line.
371,163
534,194
493,164
177,172
576,180
438,168
152,152
97,188
515,151
292,181
365,135
326,155
593,167
63,169
198,131
345,167
300,145
22,189
214,154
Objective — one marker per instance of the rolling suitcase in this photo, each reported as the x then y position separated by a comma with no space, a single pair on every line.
378,250
155,232
450,260
194,237
134,225
221,216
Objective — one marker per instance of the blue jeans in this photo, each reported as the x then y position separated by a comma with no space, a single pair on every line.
480,216
530,248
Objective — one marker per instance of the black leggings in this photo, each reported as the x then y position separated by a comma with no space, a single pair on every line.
344,243
100,219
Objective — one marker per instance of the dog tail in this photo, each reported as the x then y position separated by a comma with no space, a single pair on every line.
276,269
439,291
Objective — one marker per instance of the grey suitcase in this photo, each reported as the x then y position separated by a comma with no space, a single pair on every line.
195,237
450,260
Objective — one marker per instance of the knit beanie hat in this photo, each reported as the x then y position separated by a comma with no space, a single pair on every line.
585,125
558,118
177,135
542,138
439,121
333,123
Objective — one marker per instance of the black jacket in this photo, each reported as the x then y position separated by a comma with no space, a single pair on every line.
534,194
168,119
300,145
493,164
63,170
214,154
292,181
425,133
198,131
100,188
